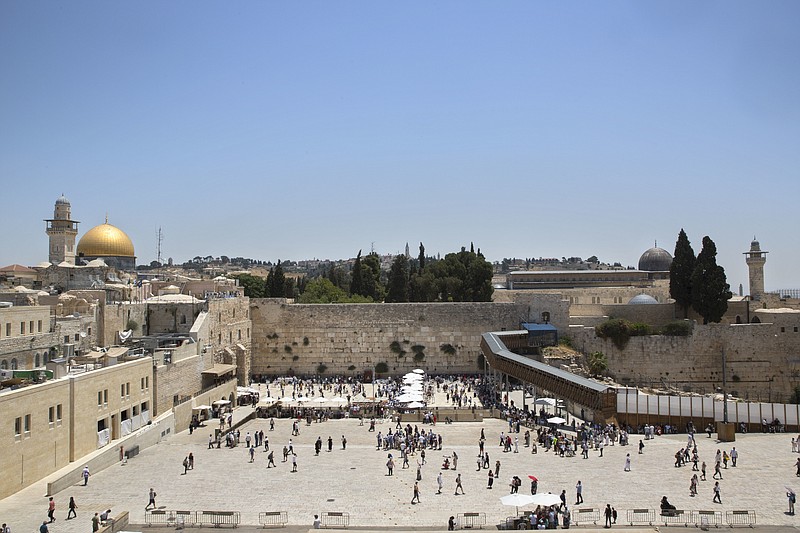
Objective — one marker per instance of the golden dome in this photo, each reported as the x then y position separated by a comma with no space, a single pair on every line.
105,240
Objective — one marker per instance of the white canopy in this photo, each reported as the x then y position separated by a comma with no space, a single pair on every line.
545,401
222,402
201,408
418,371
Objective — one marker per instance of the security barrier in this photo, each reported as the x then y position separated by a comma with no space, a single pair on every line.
707,518
471,520
640,517
584,516
158,517
273,519
676,517
218,518
335,520
741,518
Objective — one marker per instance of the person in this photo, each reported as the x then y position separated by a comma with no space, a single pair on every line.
85,475
628,463
578,493
51,509
294,462
451,523
440,483
792,498
330,443
497,469
317,522
5,529
415,498
72,506
43,528
185,464
252,453
105,515
607,514
566,518
344,443
458,484
717,498
152,501
665,505
534,486
491,480
191,461
455,460
390,465
641,447
210,441
734,456
703,470
613,515
271,460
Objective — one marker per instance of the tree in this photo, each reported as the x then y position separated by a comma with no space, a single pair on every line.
398,280
680,273
357,277
421,258
597,363
710,289
254,286
371,266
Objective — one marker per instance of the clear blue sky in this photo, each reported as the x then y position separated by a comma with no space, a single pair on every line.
294,130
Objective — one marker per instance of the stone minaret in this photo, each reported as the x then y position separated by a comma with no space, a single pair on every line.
755,263
62,232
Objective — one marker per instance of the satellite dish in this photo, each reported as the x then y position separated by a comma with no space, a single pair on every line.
76,315
83,334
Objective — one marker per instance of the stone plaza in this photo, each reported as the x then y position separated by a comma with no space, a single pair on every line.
355,481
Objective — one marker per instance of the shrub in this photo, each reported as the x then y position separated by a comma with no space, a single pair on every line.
679,328
351,367
305,341
381,368
639,329
295,357
597,363
565,340
287,348
321,368
132,325
419,356
418,348
616,329
448,349
395,347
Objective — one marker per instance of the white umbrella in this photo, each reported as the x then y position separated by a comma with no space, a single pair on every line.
415,377
321,399
415,405
286,399
303,399
418,371
517,500
222,402
545,401
201,408
545,499
339,399
556,420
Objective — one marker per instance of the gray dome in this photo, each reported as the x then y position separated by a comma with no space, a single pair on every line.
642,299
655,260
62,200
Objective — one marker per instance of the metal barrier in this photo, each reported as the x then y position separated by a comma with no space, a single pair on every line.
707,518
185,518
676,517
218,518
641,517
583,516
471,520
741,518
158,517
337,520
273,519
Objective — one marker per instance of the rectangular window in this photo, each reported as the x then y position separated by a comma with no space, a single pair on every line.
30,326
146,382
122,391
8,329
99,398
66,339
89,331
51,416
142,385
58,413
105,398
22,328
77,337
39,326
27,424
135,410
128,390
18,426
144,406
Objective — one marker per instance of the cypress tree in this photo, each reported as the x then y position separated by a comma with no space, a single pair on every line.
357,278
710,289
680,273
398,280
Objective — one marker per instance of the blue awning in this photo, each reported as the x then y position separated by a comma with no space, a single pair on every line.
538,327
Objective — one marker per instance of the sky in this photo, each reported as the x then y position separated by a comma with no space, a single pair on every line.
300,130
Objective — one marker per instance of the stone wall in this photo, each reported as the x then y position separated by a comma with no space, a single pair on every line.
350,339
763,360
176,381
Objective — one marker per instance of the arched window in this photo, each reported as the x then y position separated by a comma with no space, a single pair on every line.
13,364
36,361
3,365
738,319
755,320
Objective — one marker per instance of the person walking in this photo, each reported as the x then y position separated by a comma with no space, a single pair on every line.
415,498
152,501
641,447
210,441
191,461
627,463
717,498
578,493
458,484
491,480
252,453
185,465
734,456
72,506
294,462
51,509
85,475
96,523
497,468
344,443
703,470
439,483
271,460
792,499
607,514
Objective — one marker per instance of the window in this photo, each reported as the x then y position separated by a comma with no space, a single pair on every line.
18,426
58,414
22,328
89,331
146,382
105,398
99,398
14,363
128,390
39,326
240,334
135,410
3,365
795,329
783,330
30,327
144,406
183,319
8,329
36,361
27,425
66,339
51,416
77,337
122,391
141,386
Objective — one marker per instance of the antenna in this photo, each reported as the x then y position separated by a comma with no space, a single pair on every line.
372,247
160,240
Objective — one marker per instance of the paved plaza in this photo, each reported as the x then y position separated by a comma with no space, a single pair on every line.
355,480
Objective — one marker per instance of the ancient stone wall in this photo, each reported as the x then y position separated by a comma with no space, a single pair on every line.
763,360
350,339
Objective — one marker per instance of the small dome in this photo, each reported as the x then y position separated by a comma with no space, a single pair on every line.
62,200
105,240
655,260
640,299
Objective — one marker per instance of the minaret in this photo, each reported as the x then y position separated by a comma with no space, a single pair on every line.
62,232
755,263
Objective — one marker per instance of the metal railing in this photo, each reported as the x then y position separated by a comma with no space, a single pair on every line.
583,516
741,518
641,517
707,518
471,520
218,518
676,517
335,520
273,519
